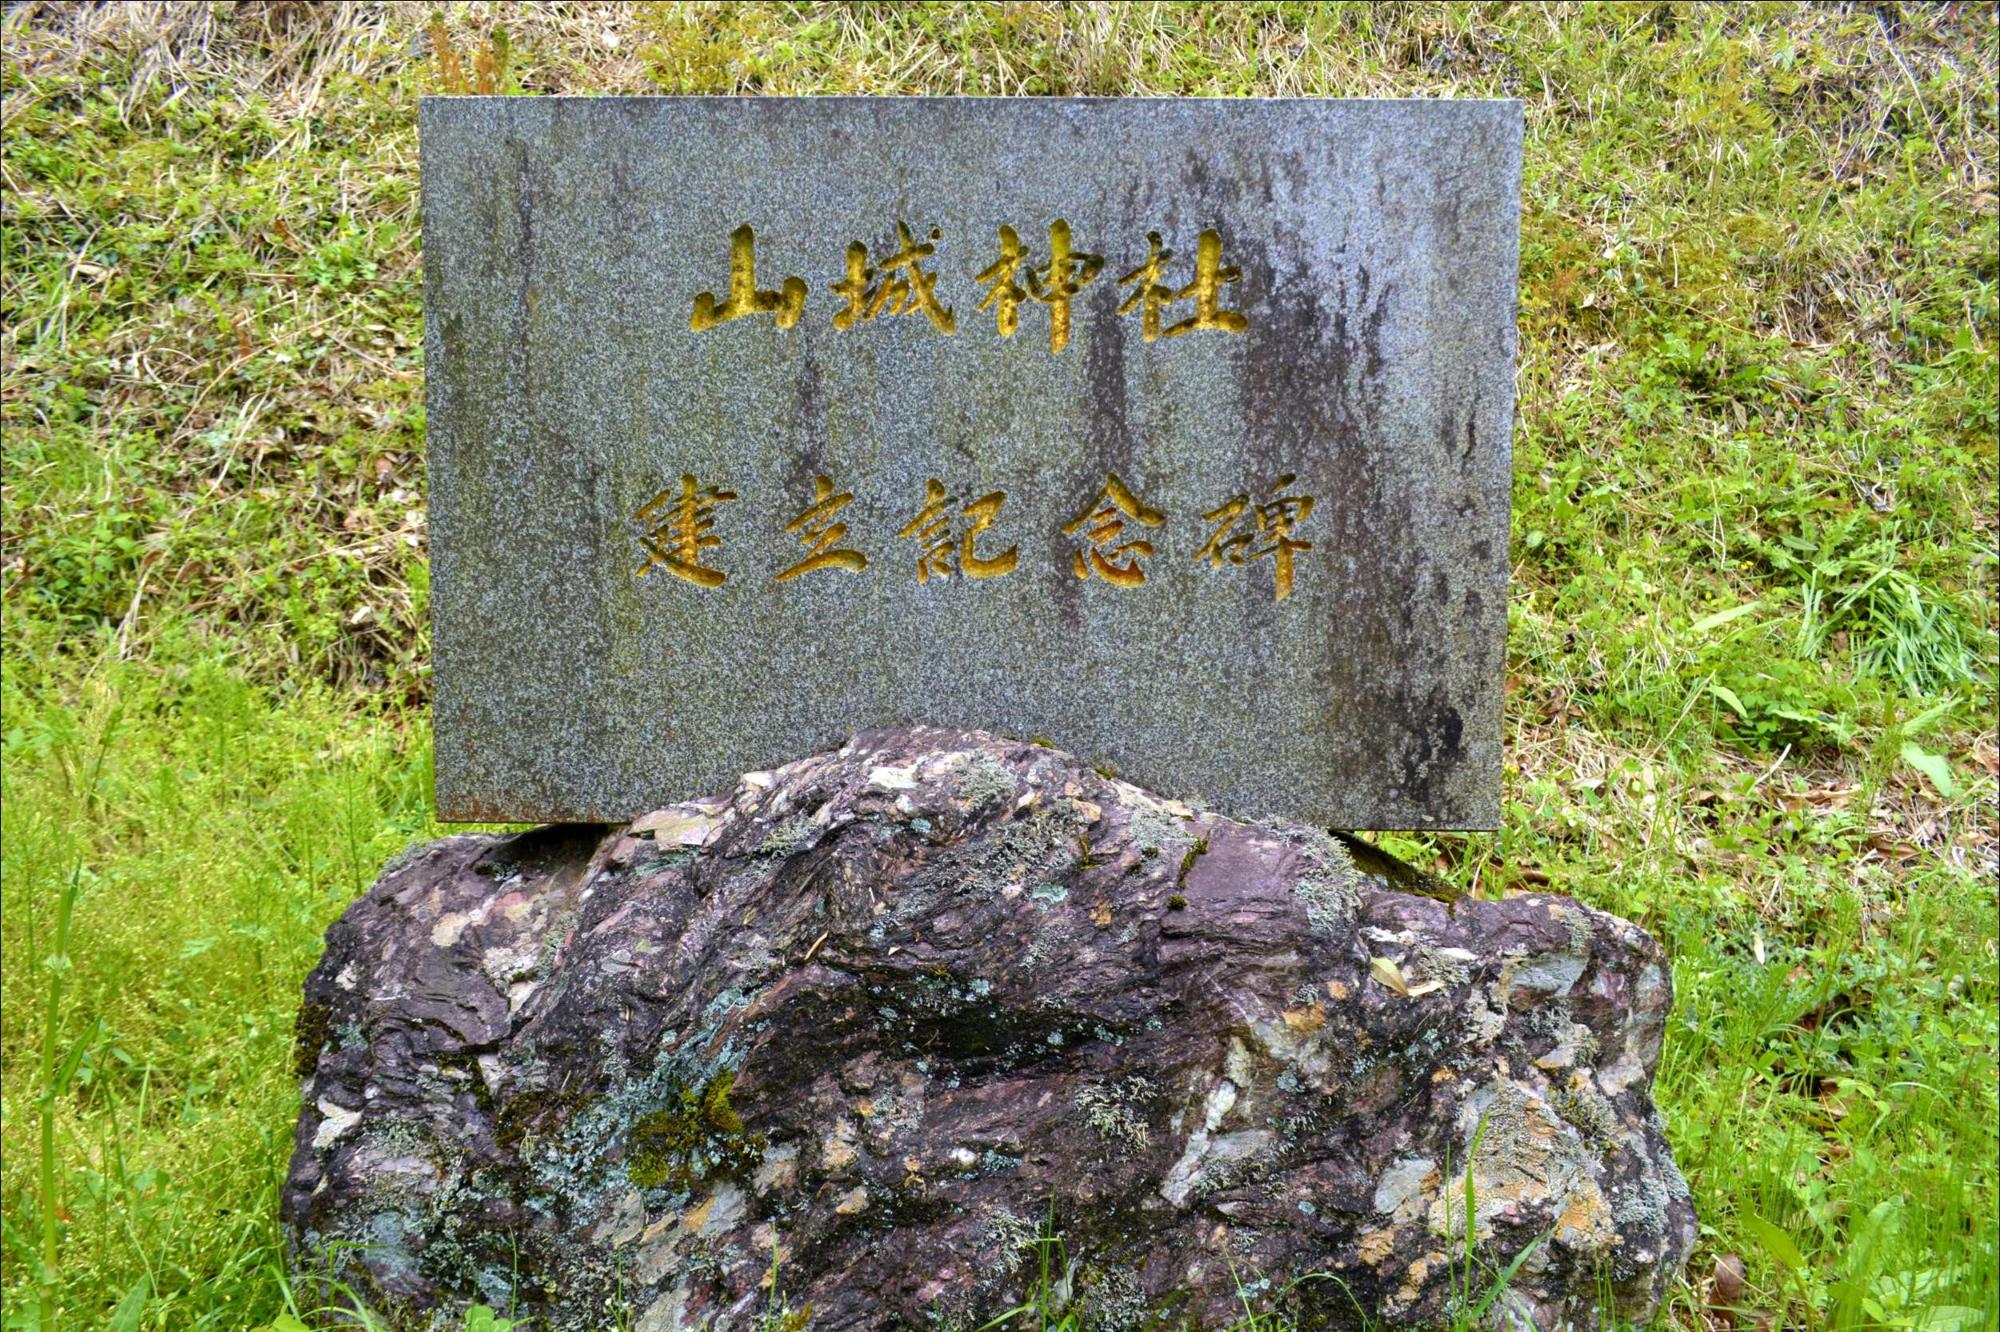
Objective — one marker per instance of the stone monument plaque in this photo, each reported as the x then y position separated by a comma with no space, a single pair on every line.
1175,433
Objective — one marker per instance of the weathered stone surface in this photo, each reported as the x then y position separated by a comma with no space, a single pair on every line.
567,243
890,1008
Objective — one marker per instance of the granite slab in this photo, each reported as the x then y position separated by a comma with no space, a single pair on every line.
1173,432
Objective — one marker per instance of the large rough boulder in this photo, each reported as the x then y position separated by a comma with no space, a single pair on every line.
879,1018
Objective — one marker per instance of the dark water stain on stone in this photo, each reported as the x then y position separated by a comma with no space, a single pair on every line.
811,454
1432,731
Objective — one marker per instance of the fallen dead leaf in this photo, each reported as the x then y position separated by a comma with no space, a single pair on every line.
1725,1289
1388,973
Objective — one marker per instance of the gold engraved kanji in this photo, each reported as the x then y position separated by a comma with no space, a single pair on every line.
943,548
678,528
899,285
1107,552
822,534
1246,531
787,303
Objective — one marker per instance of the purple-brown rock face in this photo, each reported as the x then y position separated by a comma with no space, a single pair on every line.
885,1016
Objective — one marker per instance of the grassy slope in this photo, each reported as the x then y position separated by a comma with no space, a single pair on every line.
1752,645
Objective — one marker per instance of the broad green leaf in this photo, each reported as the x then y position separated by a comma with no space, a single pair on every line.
1728,695
1933,766
1775,1241
1948,1318
1720,618
1883,1219
125,1318
67,1072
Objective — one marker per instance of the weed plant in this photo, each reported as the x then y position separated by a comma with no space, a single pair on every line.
1751,654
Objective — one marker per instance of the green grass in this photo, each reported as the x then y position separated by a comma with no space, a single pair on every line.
1752,633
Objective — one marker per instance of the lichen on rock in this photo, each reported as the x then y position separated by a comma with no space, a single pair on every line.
895,1012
